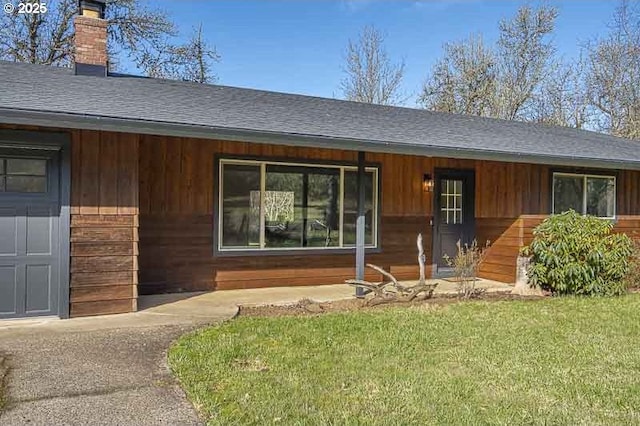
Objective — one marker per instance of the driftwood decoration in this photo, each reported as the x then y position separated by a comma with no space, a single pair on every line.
421,258
390,290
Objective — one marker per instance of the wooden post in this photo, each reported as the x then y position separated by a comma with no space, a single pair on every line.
360,224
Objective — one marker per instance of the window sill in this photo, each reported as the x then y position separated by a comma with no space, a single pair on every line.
293,252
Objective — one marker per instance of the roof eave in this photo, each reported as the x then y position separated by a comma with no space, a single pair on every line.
89,122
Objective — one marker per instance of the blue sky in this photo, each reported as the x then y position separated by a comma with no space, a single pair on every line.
298,46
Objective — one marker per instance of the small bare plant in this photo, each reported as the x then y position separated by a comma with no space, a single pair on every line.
465,265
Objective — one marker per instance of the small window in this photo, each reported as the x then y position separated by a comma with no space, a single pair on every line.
451,201
586,194
267,205
23,175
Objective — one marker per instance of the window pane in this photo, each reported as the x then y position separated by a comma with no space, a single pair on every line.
323,210
2,184
601,194
240,206
444,217
458,217
26,184
568,192
1,166
283,207
351,207
26,166
301,207
451,202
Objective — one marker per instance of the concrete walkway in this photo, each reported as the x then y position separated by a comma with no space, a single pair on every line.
108,370
112,370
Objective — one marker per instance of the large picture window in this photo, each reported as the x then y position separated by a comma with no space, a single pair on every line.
586,194
268,205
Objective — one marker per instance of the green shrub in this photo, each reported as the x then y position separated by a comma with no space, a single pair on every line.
574,254
633,275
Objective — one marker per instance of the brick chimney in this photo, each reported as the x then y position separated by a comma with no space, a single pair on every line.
90,38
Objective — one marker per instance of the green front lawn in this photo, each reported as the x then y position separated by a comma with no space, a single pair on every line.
555,361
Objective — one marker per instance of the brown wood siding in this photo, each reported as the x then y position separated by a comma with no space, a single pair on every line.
505,237
176,255
104,223
176,220
176,216
165,187
628,200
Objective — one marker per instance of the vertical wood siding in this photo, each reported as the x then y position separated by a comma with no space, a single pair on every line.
176,216
177,187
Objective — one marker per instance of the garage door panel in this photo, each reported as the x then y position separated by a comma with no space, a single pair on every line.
8,289
29,234
38,289
8,231
39,231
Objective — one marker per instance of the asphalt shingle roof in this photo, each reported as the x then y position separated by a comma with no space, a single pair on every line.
27,87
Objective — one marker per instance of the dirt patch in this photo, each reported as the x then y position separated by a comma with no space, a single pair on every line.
309,307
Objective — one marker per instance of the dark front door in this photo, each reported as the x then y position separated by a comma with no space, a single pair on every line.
454,213
29,233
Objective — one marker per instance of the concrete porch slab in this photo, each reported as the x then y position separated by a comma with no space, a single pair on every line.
204,301
200,304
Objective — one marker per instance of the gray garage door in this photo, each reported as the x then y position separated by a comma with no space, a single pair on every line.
29,233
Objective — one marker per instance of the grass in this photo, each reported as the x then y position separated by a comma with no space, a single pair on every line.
556,361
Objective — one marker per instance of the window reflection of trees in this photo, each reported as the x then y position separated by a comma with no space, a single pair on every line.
586,194
301,207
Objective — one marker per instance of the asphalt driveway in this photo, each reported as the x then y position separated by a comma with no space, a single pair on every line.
110,370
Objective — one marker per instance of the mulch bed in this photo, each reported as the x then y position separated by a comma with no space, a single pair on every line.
309,307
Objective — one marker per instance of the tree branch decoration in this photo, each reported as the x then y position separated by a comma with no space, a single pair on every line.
390,290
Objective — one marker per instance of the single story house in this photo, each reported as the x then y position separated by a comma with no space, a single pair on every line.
113,185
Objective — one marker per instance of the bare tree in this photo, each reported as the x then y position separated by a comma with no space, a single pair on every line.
191,61
525,52
614,74
371,77
563,98
45,38
501,81
136,31
463,81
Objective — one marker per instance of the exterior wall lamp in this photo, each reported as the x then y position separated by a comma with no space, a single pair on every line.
427,183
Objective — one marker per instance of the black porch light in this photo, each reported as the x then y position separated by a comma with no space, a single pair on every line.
427,182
